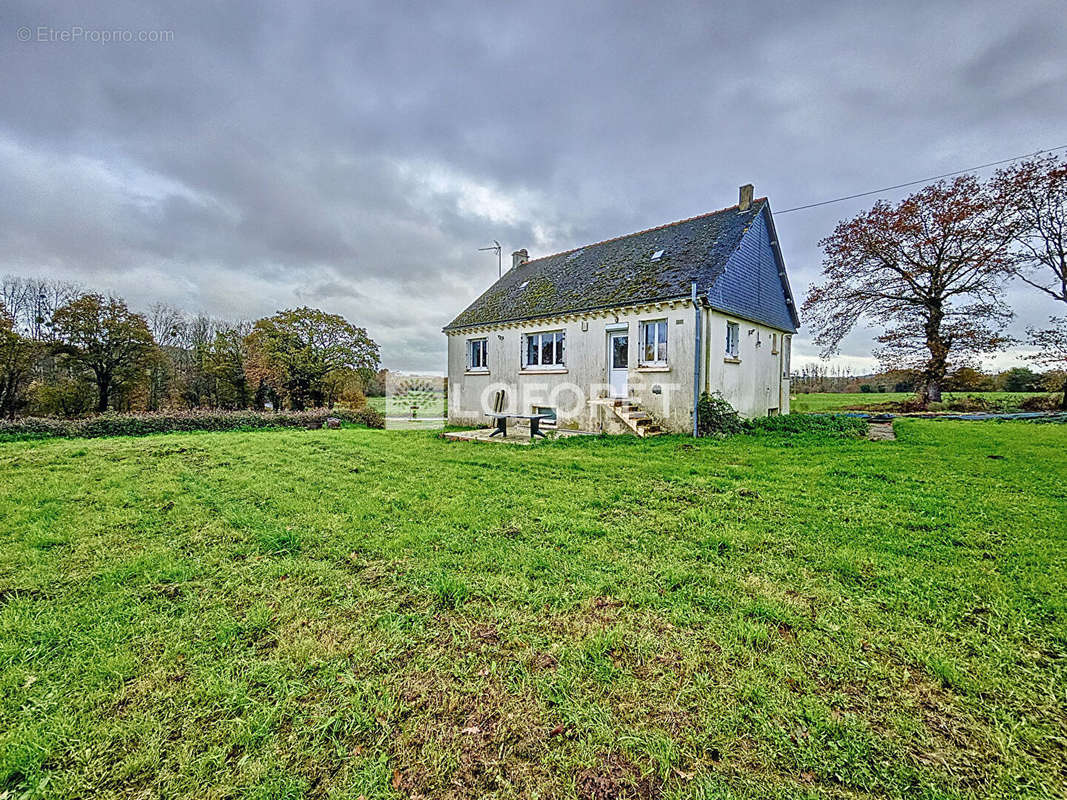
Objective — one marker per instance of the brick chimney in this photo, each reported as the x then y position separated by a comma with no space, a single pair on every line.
744,197
519,257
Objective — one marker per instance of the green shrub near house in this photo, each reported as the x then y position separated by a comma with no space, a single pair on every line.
716,417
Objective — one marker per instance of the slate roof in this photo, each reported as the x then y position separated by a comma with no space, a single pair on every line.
617,271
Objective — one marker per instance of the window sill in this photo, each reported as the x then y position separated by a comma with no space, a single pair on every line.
543,371
477,371
653,368
732,360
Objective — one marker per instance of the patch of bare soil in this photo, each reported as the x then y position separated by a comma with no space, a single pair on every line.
953,743
616,778
459,742
956,743
11,593
543,662
486,633
881,432
597,614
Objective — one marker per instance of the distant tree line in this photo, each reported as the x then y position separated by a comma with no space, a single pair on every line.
931,272
67,352
816,377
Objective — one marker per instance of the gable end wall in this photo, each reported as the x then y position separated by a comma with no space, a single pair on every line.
751,286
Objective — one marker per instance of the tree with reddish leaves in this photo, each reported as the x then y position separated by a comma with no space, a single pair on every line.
929,271
1035,192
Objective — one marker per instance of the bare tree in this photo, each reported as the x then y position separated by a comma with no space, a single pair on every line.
929,271
1036,193
14,298
198,382
1052,349
33,302
18,358
166,323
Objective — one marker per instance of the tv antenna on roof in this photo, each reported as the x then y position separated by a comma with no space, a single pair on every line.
499,264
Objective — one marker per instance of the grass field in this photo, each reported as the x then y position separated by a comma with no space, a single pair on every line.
286,614
834,401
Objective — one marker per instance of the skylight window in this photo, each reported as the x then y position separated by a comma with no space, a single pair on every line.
657,255
523,284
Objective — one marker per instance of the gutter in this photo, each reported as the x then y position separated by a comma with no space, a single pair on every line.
583,310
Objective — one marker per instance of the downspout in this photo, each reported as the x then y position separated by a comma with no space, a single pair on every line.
696,357
705,356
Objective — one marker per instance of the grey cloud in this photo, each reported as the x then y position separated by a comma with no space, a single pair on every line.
357,155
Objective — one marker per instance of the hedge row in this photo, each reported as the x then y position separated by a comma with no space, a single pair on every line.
172,421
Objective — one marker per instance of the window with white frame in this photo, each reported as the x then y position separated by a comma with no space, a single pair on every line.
544,349
733,339
477,354
787,342
654,342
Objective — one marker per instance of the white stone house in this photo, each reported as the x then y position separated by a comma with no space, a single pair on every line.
608,337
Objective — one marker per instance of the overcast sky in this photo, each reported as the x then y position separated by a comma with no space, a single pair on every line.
355,156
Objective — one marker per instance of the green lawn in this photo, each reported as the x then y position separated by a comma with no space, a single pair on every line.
341,613
835,401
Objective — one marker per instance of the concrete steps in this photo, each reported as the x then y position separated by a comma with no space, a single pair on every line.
635,418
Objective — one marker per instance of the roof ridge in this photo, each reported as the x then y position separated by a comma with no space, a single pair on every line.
640,233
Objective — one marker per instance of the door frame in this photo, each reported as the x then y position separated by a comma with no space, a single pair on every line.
626,371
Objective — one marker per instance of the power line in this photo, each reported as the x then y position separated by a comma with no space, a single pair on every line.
923,180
